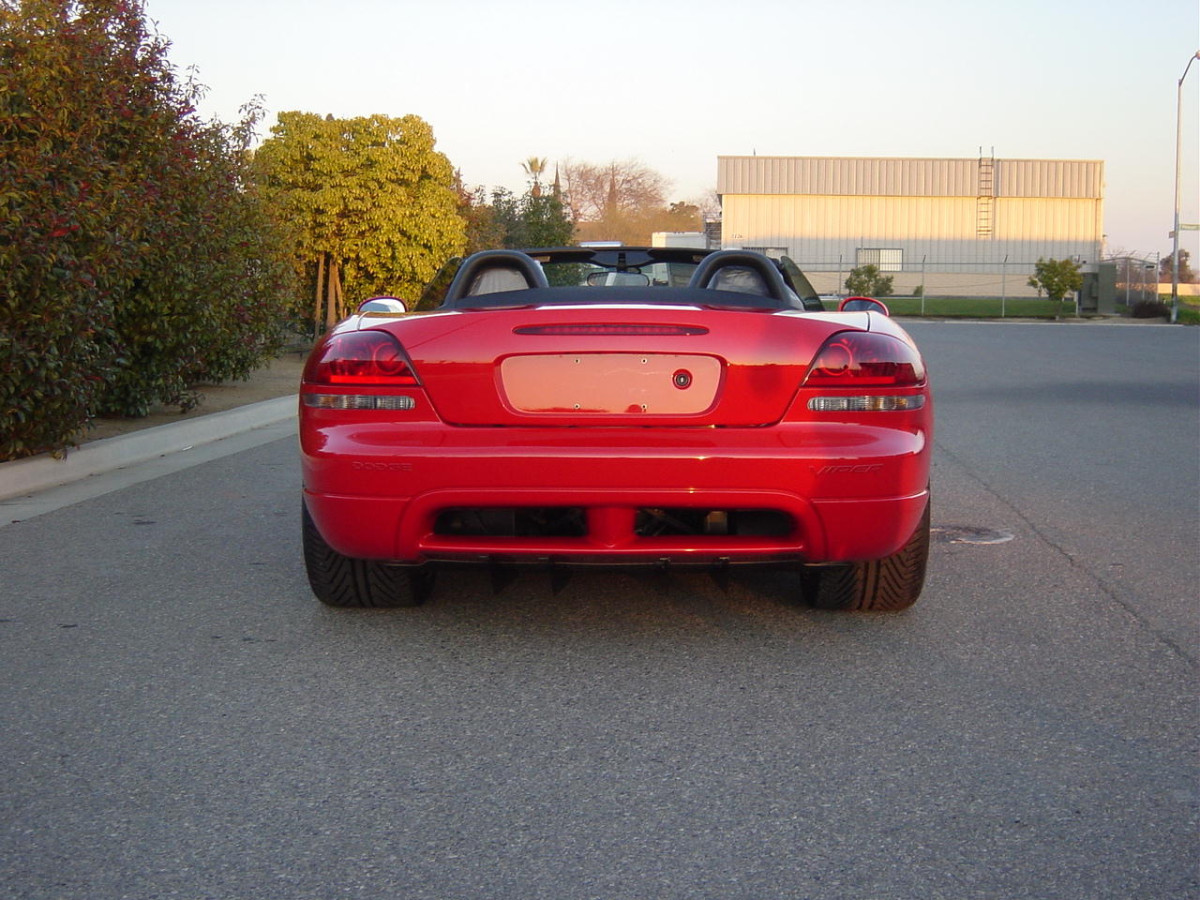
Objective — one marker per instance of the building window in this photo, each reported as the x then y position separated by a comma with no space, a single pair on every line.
883,259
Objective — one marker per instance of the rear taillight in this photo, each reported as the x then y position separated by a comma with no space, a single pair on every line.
860,359
361,358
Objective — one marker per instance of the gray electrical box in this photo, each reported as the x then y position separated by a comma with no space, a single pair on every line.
1098,296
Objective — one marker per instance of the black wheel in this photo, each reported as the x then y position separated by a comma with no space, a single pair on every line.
882,585
339,580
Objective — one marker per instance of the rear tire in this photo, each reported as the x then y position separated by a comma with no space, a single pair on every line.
342,581
883,585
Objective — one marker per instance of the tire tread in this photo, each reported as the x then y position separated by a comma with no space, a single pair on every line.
343,581
884,585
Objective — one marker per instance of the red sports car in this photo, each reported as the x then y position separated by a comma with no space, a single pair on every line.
618,405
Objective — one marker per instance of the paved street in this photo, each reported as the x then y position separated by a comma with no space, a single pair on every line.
182,719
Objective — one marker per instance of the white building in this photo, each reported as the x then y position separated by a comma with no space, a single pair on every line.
955,226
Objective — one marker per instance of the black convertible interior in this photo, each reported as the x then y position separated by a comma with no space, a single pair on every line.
725,278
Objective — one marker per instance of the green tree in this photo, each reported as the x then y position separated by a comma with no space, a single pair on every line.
371,204
868,281
483,232
109,183
682,216
535,219
1057,277
531,220
546,222
1166,268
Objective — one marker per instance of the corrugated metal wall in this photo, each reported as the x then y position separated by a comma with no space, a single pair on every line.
882,177
823,210
1050,178
907,218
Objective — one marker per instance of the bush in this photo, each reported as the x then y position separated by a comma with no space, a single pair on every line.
131,261
868,281
1150,309
64,245
208,299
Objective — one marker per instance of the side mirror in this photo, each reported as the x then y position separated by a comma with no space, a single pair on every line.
863,304
387,305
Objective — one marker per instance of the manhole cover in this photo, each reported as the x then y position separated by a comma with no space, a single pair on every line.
969,534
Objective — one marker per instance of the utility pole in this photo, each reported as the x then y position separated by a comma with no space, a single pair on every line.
1178,191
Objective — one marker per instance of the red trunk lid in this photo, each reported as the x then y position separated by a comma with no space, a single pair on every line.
612,365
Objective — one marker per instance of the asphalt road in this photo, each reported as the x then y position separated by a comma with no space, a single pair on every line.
182,719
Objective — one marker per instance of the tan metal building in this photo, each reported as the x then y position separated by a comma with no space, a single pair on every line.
955,226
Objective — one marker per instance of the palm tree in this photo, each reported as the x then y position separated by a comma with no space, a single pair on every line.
534,167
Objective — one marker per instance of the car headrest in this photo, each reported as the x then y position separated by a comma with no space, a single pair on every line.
743,271
493,271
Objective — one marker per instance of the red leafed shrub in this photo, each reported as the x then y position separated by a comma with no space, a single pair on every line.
134,261
1150,309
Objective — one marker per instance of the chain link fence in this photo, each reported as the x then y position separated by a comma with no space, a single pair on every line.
1115,281
1135,279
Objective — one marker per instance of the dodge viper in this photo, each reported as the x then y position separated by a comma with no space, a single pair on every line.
622,406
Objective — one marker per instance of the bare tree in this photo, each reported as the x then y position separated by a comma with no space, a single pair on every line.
709,204
617,188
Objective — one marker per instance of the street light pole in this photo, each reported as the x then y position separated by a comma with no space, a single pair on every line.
1178,190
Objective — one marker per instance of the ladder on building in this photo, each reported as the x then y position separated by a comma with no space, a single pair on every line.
985,196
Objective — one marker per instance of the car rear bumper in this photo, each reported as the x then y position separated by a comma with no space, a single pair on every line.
809,492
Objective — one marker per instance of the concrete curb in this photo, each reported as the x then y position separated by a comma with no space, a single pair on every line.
37,473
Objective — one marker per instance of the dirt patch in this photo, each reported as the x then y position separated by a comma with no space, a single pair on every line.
279,378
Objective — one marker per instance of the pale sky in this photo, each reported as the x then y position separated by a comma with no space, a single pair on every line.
675,84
